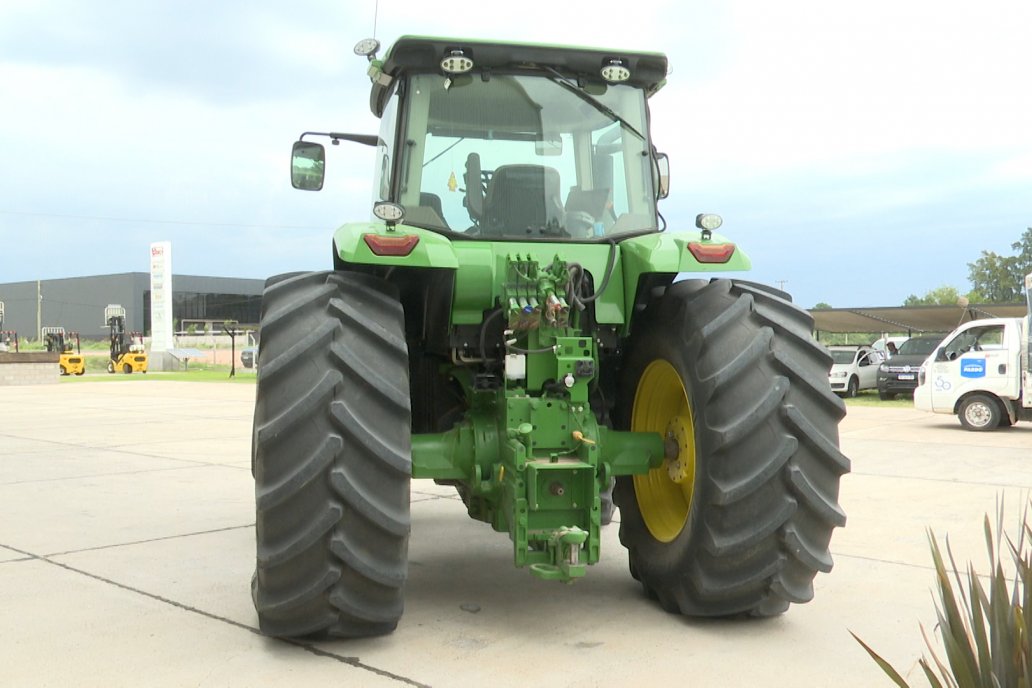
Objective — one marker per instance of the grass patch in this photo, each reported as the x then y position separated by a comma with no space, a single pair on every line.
196,373
869,397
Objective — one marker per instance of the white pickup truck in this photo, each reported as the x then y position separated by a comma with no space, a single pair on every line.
981,372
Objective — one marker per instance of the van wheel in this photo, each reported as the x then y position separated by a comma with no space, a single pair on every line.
979,412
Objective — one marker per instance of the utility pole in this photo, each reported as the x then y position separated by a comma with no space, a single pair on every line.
781,284
39,310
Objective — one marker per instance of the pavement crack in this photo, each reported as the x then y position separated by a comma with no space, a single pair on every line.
353,661
143,542
101,475
308,647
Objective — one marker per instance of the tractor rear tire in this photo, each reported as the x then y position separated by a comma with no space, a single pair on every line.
740,522
127,369
331,457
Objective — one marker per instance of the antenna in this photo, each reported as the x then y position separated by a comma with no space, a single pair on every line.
376,11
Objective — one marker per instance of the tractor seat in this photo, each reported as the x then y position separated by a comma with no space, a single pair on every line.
523,201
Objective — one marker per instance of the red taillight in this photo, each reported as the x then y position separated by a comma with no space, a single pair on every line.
383,245
711,253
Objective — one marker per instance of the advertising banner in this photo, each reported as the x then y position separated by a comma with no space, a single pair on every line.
161,296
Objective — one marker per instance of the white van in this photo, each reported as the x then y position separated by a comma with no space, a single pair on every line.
981,372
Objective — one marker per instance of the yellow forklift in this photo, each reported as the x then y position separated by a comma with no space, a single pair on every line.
127,352
57,341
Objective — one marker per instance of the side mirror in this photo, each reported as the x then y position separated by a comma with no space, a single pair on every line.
662,175
307,166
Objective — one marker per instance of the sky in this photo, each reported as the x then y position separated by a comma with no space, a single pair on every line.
858,153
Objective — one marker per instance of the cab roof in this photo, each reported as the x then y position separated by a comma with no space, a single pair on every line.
424,54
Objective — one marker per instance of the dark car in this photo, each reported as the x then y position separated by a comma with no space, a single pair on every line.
249,357
898,375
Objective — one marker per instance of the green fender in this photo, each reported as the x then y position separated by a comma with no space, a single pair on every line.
669,253
433,250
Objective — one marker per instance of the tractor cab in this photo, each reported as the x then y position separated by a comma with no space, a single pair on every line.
511,142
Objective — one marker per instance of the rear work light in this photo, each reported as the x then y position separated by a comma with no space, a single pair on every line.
383,245
711,253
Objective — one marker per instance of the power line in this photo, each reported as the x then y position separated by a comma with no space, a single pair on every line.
158,222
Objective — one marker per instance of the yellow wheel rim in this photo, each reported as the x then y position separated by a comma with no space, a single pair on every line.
664,494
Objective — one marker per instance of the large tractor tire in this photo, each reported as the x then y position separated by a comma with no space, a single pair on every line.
331,457
740,522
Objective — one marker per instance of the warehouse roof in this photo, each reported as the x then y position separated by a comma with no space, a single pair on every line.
910,319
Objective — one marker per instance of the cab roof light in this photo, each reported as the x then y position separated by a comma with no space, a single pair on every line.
711,253
367,48
400,245
456,61
615,70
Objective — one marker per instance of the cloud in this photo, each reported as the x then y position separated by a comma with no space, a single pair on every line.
224,52
813,82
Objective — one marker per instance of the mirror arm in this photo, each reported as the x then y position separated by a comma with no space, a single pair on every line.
336,138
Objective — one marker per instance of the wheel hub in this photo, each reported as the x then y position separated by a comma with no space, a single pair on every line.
664,494
978,414
680,449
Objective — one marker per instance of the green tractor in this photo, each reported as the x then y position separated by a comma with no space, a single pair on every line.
511,324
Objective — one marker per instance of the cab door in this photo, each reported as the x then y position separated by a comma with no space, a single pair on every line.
979,358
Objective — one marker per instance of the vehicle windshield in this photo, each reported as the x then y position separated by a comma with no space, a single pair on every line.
520,157
842,357
918,346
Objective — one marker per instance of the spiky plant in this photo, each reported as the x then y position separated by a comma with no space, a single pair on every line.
985,633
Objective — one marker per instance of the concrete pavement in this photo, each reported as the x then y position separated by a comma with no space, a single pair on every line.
127,546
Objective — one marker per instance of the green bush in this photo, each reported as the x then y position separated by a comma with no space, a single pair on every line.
987,634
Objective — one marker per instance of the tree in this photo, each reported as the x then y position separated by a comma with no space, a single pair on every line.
941,296
822,307
996,278
1024,248
999,279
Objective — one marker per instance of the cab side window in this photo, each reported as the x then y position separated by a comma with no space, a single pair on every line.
989,337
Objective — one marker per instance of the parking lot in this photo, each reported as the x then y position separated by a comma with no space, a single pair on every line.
127,546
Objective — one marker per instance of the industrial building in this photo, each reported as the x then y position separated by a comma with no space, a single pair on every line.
77,303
